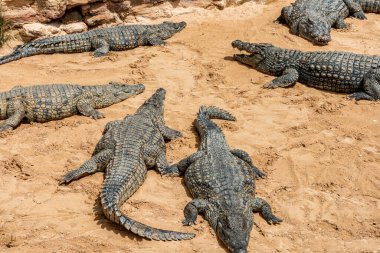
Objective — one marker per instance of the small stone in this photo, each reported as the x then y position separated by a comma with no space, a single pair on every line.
75,27
36,30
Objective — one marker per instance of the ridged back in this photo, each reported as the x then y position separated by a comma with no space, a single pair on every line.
370,5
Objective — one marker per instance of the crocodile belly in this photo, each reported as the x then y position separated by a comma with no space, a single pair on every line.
337,82
125,39
43,110
336,71
50,102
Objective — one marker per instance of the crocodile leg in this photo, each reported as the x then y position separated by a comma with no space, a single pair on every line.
186,162
97,163
355,9
168,133
340,24
285,14
260,205
15,119
245,157
111,125
154,38
101,47
85,107
192,209
289,77
371,86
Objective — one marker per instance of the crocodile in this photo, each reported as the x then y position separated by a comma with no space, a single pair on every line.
41,103
102,40
335,71
313,19
222,183
127,149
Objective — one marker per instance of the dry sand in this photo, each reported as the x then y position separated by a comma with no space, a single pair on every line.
321,151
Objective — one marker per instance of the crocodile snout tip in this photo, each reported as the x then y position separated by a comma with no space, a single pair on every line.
322,40
240,251
236,43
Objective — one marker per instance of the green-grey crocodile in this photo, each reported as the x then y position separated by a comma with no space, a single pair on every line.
222,183
127,149
102,40
41,103
345,72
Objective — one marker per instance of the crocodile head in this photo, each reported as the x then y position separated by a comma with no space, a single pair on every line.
168,29
315,29
121,90
106,95
260,54
154,106
234,229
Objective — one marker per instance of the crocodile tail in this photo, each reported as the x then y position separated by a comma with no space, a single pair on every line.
113,212
213,112
15,55
370,5
71,43
21,51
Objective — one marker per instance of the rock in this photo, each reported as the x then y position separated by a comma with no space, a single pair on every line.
36,30
72,3
21,16
97,14
51,9
121,7
17,4
74,27
220,4
72,16
77,15
153,12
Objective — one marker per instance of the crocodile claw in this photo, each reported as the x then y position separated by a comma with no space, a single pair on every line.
259,173
4,128
97,115
188,222
270,85
360,15
273,220
172,171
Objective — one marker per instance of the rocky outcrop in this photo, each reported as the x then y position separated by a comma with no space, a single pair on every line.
36,18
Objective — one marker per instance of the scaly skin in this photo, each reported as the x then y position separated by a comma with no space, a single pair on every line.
127,149
222,183
313,19
43,103
101,40
333,71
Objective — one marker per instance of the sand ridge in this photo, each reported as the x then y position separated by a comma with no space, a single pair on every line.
321,151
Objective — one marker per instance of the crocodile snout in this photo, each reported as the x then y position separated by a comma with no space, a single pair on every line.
322,40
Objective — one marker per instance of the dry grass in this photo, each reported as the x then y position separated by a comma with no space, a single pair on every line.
4,27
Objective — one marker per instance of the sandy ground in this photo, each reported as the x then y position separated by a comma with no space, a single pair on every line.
321,151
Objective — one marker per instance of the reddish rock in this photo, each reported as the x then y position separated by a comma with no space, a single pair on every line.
72,3
23,16
51,9
37,30
97,14
74,27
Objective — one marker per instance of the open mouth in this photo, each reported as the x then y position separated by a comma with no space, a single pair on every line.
242,56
